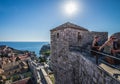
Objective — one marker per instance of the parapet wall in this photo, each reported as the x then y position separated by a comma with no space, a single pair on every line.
74,68
88,38
89,73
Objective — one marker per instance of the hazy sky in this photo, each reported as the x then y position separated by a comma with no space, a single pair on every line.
31,20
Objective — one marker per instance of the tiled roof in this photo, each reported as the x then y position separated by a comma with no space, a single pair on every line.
69,25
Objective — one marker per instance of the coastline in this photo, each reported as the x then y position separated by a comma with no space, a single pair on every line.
30,46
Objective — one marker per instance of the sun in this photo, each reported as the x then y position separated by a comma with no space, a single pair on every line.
71,8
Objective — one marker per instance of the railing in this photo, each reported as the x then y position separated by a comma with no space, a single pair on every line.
81,49
98,57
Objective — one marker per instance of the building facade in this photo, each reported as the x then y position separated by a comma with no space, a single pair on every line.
71,67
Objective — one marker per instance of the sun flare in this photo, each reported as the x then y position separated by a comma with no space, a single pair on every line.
71,8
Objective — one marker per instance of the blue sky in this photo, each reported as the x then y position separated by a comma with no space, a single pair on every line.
31,20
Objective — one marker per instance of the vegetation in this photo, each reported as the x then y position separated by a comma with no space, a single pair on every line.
45,50
42,59
28,74
52,78
15,78
44,53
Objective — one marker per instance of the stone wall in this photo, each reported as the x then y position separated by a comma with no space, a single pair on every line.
62,39
87,38
74,68
117,35
74,37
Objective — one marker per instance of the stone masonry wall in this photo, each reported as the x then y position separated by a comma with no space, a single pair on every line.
88,38
66,66
117,35
74,68
90,73
69,37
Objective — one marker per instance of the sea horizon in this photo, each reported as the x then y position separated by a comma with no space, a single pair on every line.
24,41
30,46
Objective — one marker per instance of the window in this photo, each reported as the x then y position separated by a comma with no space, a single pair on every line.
79,36
57,35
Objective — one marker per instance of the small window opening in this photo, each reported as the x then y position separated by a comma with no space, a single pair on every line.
57,35
79,36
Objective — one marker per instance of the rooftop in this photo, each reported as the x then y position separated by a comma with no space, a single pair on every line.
69,25
24,81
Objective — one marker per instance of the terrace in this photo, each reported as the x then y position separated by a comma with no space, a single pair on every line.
102,60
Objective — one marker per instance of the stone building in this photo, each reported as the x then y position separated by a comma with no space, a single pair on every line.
14,68
71,67
74,35
69,34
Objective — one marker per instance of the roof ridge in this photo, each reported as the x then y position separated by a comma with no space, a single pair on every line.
69,25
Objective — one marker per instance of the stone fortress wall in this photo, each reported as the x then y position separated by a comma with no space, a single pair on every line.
77,69
72,67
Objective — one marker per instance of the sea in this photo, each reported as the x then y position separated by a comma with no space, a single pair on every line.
30,46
